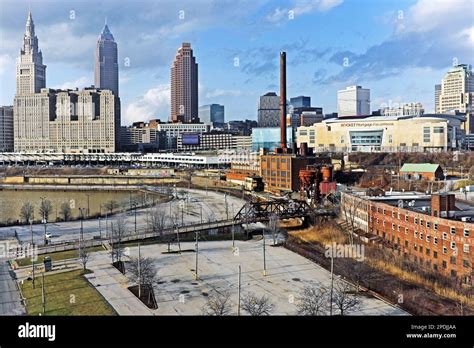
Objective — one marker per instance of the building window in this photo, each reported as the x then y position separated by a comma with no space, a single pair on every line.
453,245
466,232
421,236
421,221
406,218
415,234
452,260
453,273
428,225
435,254
445,264
427,251
406,230
465,263
452,230
406,244
466,248
415,220
383,212
445,250
421,249
435,226
444,236
435,240
428,238
393,226
415,246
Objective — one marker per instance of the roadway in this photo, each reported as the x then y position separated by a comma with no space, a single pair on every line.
191,206
10,298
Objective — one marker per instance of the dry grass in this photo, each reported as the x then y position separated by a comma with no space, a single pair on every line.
329,233
324,234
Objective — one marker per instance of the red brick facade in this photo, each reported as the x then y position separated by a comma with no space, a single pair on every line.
444,245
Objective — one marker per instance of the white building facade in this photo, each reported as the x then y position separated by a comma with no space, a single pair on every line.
353,101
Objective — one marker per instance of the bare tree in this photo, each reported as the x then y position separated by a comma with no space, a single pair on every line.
313,300
257,306
27,212
143,272
218,304
119,229
65,211
83,255
156,220
46,207
344,297
273,225
111,206
350,206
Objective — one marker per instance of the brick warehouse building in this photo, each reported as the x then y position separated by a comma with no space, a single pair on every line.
433,230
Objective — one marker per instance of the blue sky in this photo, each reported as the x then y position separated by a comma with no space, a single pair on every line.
398,49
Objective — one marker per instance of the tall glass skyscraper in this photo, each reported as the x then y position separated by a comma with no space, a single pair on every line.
106,62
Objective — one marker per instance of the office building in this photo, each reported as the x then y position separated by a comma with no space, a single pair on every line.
30,70
106,75
241,127
184,86
300,102
173,130
140,137
212,141
353,101
457,94
213,114
269,110
411,109
437,94
269,138
86,121
6,128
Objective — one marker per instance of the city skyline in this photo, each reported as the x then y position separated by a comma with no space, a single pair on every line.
236,72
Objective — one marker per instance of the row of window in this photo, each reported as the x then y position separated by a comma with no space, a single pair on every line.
422,222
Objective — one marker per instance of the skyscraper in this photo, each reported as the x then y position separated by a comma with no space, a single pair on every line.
184,85
457,93
437,94
269,110
106,63
6,128
30,70
48,120
353,101
212,113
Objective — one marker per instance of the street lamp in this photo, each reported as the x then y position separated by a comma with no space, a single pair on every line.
82,226
44,220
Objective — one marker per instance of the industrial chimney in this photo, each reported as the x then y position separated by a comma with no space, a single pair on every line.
283,100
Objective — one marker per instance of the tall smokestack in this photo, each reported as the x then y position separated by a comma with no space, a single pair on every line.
283,100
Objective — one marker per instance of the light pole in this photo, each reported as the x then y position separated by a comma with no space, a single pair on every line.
43,220
134,205
82,225
197,253
100,230
264,258
226,206
332,282
88,207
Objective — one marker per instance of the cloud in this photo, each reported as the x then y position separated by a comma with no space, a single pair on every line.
301,7
155,103
79,83
6,63
222,93
426,36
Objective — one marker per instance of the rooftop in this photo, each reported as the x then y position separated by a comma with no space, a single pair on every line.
420,167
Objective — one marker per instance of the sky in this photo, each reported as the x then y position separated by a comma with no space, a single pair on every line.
399,49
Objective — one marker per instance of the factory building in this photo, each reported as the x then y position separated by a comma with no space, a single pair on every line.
435,231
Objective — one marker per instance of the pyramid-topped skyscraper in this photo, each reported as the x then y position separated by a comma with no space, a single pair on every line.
106,62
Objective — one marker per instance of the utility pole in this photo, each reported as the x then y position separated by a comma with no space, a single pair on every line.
135,209
82,225
233,236
177,236
197,254
100,229
264,258
88,206
201,210
43,294
332,283
226,206
238,291
139,273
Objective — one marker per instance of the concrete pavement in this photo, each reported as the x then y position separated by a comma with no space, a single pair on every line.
10,298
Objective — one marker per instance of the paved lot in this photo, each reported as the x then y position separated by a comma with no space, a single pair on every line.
179,294
10,299
187,208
